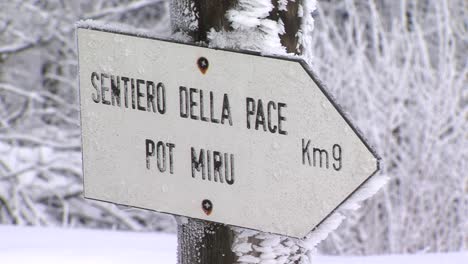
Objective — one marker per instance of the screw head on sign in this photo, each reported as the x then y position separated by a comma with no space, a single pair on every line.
202,64
207,206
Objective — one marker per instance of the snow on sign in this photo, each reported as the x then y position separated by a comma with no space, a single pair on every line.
235,138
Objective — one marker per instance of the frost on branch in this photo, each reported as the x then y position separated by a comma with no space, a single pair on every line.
399,69
40,157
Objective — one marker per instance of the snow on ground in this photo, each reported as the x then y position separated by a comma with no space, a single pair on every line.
24,245
21,245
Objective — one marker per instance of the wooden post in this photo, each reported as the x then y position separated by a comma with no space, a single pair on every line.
201,241
211,14
292,24
204,242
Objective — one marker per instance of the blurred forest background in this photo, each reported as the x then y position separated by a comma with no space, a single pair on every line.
398,67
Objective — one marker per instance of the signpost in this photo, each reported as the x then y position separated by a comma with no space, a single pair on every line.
235,138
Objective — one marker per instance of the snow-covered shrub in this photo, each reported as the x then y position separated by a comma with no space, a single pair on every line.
40,159
399,68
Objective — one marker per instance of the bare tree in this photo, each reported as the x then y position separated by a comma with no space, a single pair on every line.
40,160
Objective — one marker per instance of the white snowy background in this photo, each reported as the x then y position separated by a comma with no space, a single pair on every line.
398,67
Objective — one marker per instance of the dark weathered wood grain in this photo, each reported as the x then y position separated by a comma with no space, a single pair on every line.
205,243
211,14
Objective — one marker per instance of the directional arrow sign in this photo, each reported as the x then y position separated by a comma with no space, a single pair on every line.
235,138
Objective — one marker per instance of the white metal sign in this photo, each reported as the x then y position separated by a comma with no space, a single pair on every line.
229,137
